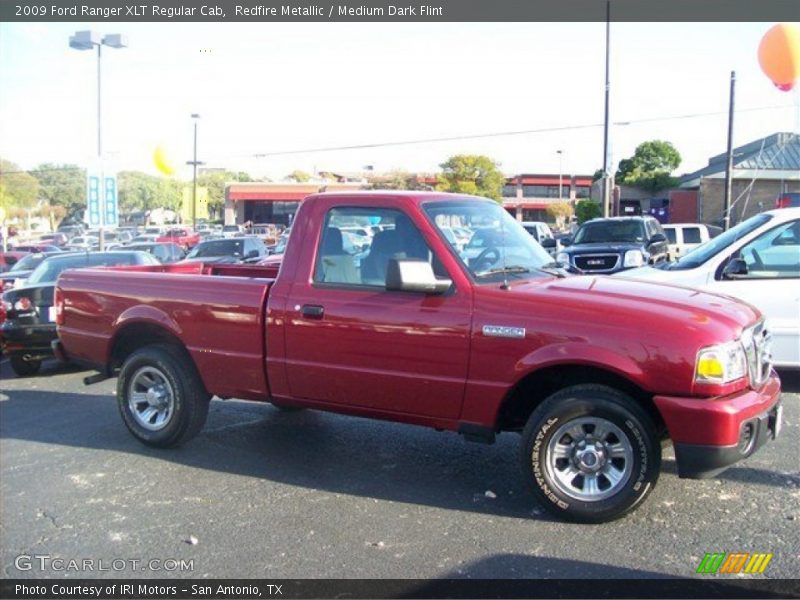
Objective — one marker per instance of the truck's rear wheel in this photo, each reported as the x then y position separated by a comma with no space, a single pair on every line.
590,453
160,396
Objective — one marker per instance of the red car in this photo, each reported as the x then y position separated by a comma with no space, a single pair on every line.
9,259
593,372
185,238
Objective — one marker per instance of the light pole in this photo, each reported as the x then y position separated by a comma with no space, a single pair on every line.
560,174
88,40
606,157
194,163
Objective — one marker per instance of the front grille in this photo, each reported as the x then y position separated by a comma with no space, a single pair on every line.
597,262
757,343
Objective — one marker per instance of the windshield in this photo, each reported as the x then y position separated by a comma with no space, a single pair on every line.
712,247
499,248
27,263
603,232
50,269
217,248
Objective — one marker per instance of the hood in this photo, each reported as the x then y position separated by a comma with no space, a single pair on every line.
683,277
625,303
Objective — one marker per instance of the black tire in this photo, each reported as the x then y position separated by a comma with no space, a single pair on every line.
287,408
190,400
580,406
24,368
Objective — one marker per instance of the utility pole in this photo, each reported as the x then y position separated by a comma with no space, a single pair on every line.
194,164
606,157
560,174
726,213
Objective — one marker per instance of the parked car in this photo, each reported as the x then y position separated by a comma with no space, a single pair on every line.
85,243
229,231
541,232
791,200
55,239
10,258
757,261
70,230
145,238
592,371
185,238
245,248
37,248
684,237
22,269
29,327
165,252
615,244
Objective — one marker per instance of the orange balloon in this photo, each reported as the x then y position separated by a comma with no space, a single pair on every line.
779,55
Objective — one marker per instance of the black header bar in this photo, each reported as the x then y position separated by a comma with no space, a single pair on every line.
435,11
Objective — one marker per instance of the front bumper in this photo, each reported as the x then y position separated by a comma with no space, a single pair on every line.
711,434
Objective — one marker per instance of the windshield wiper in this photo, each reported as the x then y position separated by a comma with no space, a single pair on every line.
509,269
552,266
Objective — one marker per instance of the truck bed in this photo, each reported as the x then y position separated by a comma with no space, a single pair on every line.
217,311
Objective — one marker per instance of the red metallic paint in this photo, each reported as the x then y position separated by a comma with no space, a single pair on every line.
411,357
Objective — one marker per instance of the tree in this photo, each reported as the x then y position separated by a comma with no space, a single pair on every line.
215,182
472,174
398,180
142,192
62,185
650,167
586,210
18,189
299,176
560,211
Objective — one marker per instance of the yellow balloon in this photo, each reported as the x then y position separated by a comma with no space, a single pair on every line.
163,164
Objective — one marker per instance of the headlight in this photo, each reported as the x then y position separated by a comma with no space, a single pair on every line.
633,258
563,258
721,364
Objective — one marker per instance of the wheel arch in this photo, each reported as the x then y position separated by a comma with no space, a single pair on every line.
538,384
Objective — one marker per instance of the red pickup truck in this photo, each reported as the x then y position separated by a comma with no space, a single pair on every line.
593,372
185,238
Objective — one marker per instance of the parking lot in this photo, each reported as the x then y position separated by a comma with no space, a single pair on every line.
262,493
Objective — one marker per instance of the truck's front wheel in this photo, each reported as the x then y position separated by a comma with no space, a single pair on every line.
160,396
590,453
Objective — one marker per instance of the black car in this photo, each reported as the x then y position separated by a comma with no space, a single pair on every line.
615,244
23,268
165,252
228,250
30,327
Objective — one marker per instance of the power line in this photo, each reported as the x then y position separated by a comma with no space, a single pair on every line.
495,134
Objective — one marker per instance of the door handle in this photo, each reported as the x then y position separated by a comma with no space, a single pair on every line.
312,311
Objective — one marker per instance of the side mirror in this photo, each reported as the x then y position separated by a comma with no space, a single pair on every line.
412,275
549,243
735,268
567,241
657,238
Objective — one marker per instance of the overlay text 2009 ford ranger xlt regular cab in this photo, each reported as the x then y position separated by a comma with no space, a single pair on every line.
593,372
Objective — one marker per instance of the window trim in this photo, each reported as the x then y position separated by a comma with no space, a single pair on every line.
724,262
364,286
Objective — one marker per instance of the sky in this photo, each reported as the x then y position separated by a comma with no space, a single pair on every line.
270,87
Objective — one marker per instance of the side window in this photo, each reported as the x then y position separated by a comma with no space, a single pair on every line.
774,254
350,253
670,233
691,235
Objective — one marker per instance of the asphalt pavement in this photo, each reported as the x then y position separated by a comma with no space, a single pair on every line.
264,493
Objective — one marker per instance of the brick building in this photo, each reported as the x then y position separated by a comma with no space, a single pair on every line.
526,196
762,170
